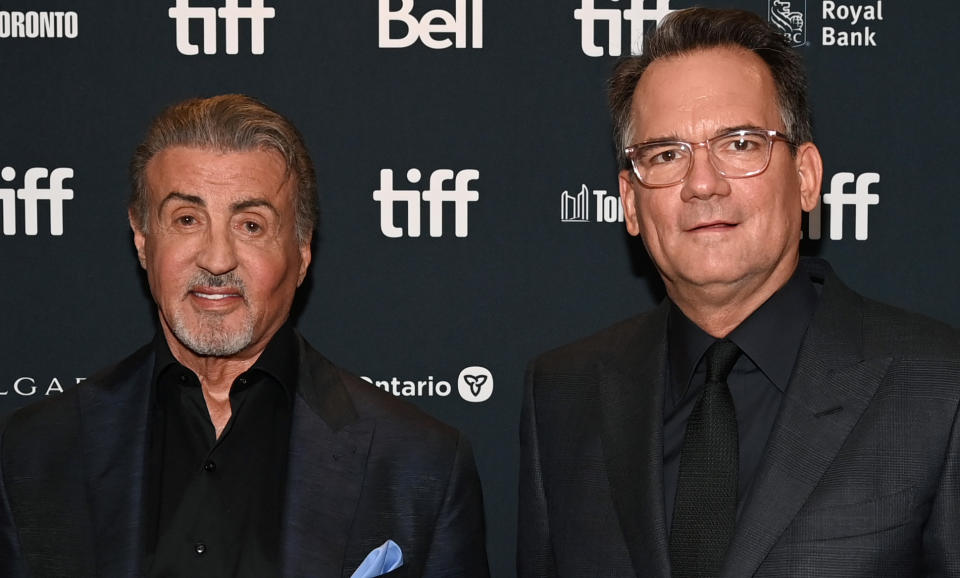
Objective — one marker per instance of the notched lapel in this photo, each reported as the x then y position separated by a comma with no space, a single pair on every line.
328,455
113,423
831,387
631,394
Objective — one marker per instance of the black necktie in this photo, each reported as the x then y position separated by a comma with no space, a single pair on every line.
705,509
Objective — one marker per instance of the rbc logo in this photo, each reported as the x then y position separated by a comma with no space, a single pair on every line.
433,28
232,13
636,14
31,194
788,21
435,196
475,384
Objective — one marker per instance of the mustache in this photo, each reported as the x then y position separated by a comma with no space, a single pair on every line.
205,279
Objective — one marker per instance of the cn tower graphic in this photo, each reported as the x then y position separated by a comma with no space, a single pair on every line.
575,208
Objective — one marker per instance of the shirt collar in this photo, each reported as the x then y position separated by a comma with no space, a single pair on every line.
279,360
770,336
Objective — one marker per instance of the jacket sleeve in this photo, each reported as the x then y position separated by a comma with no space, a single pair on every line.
459,546
941,535
534,551
11,559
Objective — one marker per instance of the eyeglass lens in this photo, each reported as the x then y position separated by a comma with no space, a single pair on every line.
735,155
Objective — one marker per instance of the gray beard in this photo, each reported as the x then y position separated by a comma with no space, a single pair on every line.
209,337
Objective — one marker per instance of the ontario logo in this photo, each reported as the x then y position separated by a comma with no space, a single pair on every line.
790,18
474,384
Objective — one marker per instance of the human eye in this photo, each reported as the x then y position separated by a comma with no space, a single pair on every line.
741,143
251,225
661,154
184,221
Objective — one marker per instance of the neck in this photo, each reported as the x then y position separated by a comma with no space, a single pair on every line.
719,308
216,375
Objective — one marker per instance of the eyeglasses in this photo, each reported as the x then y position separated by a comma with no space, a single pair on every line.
735,155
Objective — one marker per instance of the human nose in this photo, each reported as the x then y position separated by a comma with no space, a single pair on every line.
218,254
704,179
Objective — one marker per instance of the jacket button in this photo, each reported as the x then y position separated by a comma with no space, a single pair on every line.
200,548
210,466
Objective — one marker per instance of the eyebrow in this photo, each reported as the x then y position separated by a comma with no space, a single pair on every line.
192,199
250,203
235,207
673,137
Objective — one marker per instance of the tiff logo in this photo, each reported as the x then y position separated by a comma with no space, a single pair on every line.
861,198
435,196
232,13
434,28
576,208
637,15
31,194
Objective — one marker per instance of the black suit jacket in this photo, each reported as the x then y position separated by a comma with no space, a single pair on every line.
860,476
364,467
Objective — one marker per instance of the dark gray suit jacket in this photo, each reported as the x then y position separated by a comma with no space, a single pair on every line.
860,476
364,467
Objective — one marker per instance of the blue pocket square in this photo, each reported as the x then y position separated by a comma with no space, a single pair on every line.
380,560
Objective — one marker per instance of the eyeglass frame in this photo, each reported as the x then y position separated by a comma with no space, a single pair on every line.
771,135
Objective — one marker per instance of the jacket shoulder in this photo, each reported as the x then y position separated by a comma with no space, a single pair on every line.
892,331
42,423
603,344
391,414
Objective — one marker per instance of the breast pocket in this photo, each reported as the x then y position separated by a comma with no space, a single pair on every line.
856,519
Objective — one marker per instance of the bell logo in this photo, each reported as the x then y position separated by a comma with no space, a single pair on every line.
434,28
475,384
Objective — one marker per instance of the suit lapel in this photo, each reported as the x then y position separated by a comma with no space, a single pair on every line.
631,398
328,454
831,387
113,427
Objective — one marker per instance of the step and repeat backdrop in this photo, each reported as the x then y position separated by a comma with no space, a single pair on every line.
470,215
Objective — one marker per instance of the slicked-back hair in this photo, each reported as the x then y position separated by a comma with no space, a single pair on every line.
692,29
227,123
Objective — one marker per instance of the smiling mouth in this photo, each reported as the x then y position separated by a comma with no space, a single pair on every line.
214,296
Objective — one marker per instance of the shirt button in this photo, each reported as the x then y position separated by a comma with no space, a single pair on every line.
242,381
209,466
183,378
200,548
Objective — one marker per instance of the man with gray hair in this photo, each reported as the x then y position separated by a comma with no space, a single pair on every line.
764,420
228,446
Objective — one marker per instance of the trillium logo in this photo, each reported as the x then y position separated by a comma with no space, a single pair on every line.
475,384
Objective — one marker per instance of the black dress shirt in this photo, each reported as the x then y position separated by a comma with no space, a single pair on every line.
214,504
770,339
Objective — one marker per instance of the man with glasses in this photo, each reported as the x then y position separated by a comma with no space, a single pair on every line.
764,420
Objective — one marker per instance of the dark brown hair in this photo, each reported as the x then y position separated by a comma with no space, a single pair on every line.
685,31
